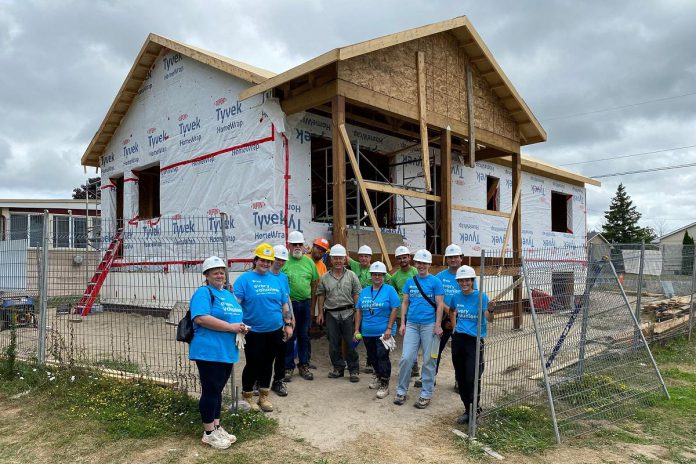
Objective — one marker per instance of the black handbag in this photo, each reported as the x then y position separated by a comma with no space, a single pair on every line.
184,329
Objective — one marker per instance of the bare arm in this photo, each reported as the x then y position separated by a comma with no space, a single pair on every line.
314,298
358,321
404,311
320,316
440,301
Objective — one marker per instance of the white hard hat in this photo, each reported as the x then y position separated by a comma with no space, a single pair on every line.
338,250
296,237
401,250
364,250
453,250
281,252
423,256
212,263
465,272
378,266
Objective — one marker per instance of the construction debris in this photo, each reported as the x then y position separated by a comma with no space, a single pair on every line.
668,315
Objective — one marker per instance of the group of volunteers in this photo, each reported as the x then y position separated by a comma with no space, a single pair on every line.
269,311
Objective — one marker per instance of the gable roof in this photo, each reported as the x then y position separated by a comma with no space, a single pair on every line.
593,234
681,229
150,51
470,41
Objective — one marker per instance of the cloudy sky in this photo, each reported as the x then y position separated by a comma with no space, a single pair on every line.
613,81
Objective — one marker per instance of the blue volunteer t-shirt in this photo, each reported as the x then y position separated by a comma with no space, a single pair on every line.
419,310
262,298
466,307
450,283
376,307
208,344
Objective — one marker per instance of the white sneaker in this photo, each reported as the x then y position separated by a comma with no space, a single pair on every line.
225,434
216,440
374,383
383,390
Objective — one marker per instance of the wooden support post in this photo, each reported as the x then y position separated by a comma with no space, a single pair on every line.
470,114
515,202
365,196
516,220
445,188
422,116
338,118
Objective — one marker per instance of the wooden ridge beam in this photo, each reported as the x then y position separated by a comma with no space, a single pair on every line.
365,196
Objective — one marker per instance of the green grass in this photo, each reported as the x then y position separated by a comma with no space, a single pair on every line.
119,365
122,409
517,429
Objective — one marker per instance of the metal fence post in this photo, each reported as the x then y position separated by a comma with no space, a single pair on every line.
43,292
223,227
640,332
693,287
473,412
547,384
585,306
639,291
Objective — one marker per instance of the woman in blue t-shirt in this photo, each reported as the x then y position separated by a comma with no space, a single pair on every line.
375,321
464,310
217,318
265,303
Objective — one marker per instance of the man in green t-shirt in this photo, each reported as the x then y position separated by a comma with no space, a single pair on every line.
303,278
361,267
399,278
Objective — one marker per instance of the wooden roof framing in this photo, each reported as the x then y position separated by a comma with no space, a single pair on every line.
150,51
531,130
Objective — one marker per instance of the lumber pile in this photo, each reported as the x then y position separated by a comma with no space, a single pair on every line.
668,315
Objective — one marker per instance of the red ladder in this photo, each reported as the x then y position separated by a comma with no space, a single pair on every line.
84,306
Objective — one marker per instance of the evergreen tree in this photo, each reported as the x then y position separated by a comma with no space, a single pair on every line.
622,218
91,188
687,254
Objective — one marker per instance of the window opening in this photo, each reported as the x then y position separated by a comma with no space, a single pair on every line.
492,193
561,212
149,192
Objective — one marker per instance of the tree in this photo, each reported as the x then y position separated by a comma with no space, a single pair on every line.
622,218
687,254
91,188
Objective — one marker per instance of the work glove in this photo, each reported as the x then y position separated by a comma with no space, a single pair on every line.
390,344
241,341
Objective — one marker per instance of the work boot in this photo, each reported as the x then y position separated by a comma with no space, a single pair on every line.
355,376
422,403
400,399
336,373
304,372
383,390
249,398
280,388
463,419
264,403
374,383
288,375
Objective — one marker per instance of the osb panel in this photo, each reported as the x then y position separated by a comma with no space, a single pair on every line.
393,71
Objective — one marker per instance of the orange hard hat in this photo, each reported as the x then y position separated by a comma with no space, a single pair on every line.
322,243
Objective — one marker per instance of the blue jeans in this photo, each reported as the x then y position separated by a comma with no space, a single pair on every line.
417,336
302,320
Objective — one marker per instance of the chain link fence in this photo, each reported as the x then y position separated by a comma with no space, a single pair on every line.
566,349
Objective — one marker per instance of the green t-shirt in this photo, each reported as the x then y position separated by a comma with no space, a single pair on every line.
301,273
363,273
400,277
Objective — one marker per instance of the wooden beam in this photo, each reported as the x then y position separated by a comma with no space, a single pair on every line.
390,105
387,188
423,118
470,115
471,209
516,221
338,119
309,99
513,210
391,154
365,196
445,188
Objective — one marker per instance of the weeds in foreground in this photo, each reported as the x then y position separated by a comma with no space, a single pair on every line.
122,409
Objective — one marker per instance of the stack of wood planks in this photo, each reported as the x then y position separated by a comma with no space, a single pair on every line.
669,315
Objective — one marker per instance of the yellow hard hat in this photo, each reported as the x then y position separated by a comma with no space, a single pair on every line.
265,251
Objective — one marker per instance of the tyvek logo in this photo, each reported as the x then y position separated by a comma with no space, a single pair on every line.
129,149
154,140
106,159
186,127
538,189
470,237
224,113
171,61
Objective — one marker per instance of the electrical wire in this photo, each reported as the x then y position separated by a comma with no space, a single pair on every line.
628,156
631,105
639,171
